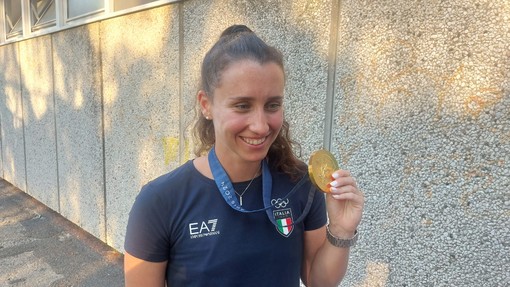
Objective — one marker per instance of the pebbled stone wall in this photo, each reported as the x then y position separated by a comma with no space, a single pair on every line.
422,117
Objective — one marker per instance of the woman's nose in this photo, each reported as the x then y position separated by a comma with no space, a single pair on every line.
259,123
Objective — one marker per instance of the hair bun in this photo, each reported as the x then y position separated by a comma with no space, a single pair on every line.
235,29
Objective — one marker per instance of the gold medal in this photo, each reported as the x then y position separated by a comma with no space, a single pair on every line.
321,166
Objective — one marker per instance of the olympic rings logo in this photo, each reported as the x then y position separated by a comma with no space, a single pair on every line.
279,203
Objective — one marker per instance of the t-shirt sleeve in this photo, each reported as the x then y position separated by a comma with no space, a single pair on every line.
146,232
317,216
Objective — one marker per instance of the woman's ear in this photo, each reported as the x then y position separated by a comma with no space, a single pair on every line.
205,104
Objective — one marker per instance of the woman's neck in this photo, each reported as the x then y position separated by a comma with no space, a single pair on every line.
242,172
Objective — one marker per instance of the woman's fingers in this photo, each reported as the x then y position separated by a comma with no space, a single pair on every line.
344,186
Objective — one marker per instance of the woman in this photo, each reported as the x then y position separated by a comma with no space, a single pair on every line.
241,214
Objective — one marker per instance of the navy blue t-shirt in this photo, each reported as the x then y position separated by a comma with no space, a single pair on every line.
182,218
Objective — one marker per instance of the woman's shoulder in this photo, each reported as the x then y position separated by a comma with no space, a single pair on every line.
173,178
180,171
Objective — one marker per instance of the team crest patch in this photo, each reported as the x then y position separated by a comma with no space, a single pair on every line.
284,221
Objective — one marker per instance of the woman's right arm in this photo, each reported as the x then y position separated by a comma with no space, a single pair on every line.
138,272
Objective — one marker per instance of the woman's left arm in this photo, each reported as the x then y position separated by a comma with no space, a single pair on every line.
324,263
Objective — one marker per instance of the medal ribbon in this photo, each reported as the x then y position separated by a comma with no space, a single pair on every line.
226,189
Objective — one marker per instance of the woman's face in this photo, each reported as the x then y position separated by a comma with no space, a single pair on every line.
247,111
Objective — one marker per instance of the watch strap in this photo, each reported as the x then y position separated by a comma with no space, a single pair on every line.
340,242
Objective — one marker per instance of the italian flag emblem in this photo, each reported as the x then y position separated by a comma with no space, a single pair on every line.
284,221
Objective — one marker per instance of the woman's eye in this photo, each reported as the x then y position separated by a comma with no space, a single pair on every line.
274,106
242,106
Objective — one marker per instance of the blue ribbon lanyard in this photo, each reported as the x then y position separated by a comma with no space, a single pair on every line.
226,189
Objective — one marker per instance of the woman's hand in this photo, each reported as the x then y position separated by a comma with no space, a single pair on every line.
344,204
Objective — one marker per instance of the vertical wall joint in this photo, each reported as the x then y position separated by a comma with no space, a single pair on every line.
330,90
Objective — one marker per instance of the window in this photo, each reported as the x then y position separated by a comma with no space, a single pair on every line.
13,21
23,19
80,8
125,4
42,14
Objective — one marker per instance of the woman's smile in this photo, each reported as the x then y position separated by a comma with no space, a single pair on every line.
254,141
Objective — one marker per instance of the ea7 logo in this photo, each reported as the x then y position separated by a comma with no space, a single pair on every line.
203,229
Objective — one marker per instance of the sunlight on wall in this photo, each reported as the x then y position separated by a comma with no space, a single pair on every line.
304,17
470,91
36,79
76,97
481,100
125,47
39,105
376,60
14,106
171,150
9,173
393,77
376,275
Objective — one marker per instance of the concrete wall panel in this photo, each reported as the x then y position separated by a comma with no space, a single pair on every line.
11,115
1,155
39,119
77,74
423,120
140,59
295,27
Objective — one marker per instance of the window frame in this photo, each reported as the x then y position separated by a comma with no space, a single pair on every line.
38,26
4,31
62,22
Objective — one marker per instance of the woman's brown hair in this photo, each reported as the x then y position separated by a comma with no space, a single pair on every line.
238,43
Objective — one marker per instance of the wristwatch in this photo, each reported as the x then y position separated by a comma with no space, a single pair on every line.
339,242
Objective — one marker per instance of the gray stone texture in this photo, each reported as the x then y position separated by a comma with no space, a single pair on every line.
39,120
11,116
78,111
423,121
140,62
420,99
